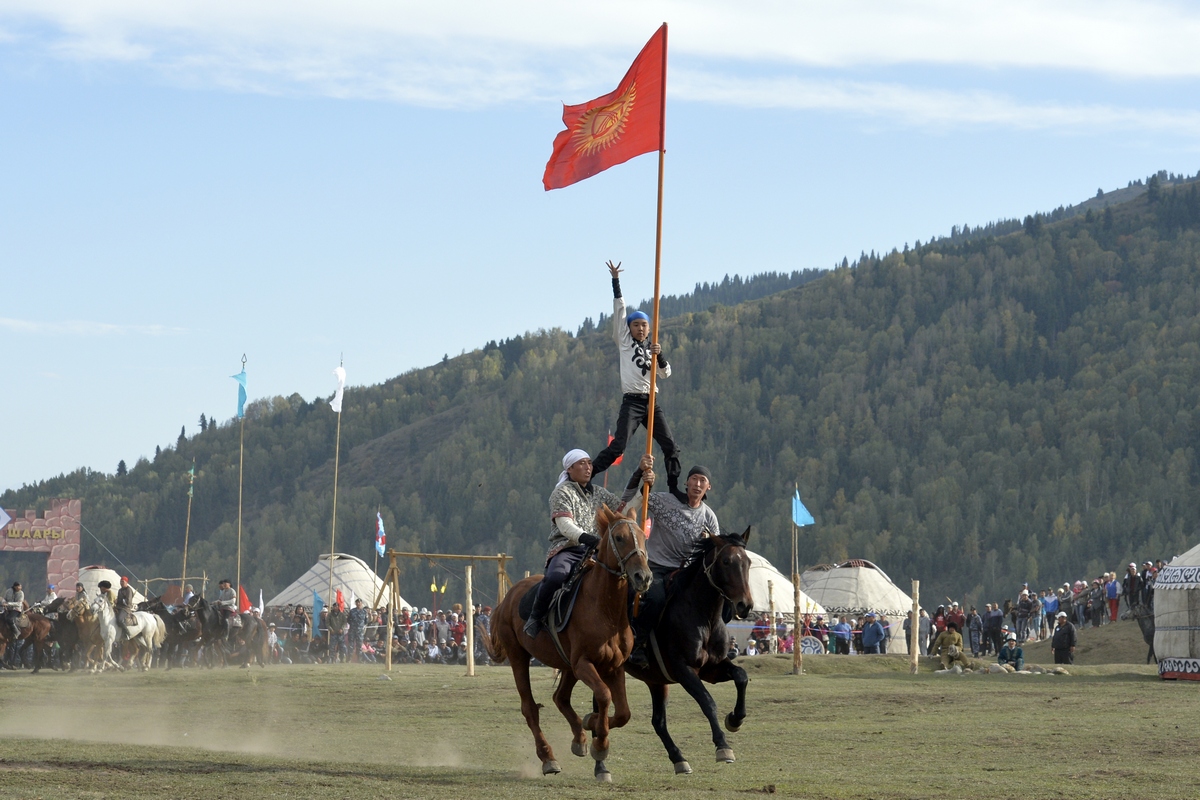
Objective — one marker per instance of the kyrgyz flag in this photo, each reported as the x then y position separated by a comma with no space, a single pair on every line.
614,128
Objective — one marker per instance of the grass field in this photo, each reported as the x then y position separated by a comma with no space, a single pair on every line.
856,727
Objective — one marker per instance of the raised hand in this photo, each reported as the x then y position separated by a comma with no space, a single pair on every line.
614,269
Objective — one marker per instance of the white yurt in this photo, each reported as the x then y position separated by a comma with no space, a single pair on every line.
855,587
91,576
767,583
350,574
1177,617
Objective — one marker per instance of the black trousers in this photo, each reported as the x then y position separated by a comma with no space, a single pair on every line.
1064,656
634,412
558,569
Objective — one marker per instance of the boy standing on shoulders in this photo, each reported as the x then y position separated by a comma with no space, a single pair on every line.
631,332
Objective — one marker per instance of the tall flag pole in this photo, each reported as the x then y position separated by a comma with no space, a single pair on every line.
610,130
800,518
336,405
241,379
187,528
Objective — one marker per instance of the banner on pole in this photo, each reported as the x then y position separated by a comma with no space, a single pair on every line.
380,535
614,128
336,402
800,514
241,379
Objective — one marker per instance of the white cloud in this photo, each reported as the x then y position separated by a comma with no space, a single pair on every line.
926,107
475,54
1113,37
76,327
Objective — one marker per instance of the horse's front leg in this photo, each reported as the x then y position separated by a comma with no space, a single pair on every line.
519,661
692,684
562,699
597,721
658,719
723,671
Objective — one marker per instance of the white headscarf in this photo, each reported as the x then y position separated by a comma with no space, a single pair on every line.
569,460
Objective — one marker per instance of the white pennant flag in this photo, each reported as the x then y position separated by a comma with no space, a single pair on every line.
336,403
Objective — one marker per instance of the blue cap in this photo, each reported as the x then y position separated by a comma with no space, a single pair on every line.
636,315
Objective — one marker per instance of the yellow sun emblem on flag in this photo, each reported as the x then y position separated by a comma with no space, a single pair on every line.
601,127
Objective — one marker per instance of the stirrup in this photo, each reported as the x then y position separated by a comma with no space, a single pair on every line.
637,657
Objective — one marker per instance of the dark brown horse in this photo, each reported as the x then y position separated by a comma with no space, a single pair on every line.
690,644
596,641
35,632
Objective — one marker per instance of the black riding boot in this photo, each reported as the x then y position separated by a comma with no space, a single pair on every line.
541,604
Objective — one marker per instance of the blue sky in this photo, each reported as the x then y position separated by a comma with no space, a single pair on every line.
186,182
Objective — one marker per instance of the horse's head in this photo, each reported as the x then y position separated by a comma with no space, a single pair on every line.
623,547
727,568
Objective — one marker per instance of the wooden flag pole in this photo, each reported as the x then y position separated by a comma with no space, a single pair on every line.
662,152
337,449
914,630
241,468
187,528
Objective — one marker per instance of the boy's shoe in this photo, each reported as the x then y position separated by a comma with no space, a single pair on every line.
637,658
533,626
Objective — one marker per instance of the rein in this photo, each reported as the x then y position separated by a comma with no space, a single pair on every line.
622,559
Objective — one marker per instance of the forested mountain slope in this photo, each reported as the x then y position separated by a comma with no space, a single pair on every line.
1010,409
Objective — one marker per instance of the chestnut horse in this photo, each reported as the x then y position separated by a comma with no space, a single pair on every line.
596,641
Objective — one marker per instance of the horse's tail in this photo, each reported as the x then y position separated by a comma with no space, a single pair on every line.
494,646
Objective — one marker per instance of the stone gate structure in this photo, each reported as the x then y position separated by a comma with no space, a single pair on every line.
55,533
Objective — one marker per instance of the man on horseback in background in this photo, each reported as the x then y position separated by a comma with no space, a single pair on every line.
105,592
679,521
125,604
227,604
14,604
573,506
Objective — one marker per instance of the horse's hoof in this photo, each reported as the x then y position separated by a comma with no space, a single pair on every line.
683,768
725,756
731,724
579,748
602,774
551,768
597,753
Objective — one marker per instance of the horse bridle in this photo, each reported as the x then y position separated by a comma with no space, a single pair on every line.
710,565
622,559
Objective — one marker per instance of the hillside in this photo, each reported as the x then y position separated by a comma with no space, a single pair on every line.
977,414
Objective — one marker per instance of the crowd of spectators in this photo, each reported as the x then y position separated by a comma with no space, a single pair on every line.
998,630
360,634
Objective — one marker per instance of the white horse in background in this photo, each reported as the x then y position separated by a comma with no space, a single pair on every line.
147,632
109,634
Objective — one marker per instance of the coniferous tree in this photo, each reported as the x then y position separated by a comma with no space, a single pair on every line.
121,471
203,423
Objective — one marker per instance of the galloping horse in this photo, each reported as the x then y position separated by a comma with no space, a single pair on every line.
146,633
596,641
63,631
690,643
181,628
107,632
35,632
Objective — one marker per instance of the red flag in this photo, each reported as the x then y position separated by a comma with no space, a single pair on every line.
621,457
341,603
614,128
243,601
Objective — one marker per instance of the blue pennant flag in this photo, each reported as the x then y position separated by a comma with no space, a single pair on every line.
380,536
800,514
318,607
241,379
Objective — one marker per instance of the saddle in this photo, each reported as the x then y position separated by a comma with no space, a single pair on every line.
562,604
